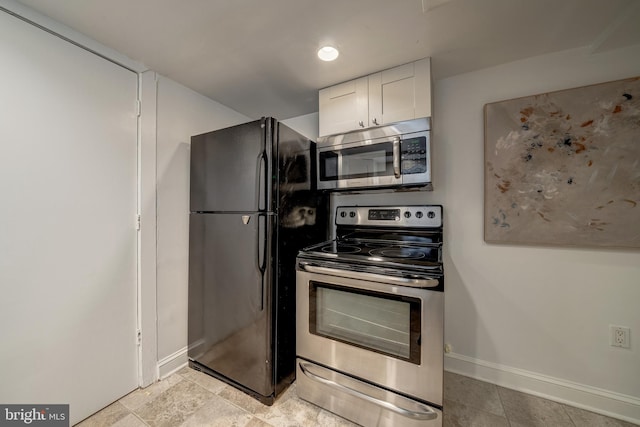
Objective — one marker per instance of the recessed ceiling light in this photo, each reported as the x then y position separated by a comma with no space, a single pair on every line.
328,53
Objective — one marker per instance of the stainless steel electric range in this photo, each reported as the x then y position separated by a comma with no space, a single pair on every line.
369,312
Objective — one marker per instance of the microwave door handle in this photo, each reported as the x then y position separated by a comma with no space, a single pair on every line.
396,157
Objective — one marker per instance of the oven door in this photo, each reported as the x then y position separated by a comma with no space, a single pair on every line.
363,164
389,335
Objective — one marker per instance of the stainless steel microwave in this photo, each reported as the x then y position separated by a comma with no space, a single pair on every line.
394,155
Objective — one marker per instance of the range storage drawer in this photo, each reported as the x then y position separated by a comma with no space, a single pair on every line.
359,401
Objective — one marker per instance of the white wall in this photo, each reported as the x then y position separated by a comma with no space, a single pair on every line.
533,318
181,113
307,125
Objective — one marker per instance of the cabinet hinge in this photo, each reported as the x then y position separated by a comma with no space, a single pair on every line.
139,337
138,108
138,221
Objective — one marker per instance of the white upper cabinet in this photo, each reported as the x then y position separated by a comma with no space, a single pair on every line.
400,93
344,107
393,95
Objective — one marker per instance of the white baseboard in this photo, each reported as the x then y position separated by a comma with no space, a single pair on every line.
592,399
172,363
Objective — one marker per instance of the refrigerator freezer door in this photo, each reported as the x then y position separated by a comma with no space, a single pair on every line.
230,282
231,169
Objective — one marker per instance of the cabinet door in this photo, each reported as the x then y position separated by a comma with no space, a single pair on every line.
343,107
400,93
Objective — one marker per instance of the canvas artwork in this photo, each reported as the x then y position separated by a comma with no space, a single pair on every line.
563,168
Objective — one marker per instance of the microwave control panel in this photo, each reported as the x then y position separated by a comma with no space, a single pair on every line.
413,158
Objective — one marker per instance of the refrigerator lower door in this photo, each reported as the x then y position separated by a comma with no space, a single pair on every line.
229,298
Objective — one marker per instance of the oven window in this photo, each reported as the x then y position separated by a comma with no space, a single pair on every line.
357,162
384,323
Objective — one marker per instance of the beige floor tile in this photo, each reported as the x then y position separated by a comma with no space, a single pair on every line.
290,410
513,423
526,410
218,413
243,400
129,421
459,415
106,417
141,396
257,422
175,405
471,392
583,418
206,381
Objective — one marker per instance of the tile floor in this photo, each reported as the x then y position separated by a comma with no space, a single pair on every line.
190,398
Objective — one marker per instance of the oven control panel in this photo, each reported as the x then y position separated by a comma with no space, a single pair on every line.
423,216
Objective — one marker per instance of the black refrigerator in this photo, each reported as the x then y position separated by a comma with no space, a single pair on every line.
253,206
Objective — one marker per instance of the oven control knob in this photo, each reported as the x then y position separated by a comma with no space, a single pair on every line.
352,214
343,214
431,214
419,214
407,214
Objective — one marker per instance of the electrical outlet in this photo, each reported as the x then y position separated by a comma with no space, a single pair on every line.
620,336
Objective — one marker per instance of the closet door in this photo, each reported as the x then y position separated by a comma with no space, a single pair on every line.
68,239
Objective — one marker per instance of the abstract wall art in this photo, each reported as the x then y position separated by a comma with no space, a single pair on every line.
563,168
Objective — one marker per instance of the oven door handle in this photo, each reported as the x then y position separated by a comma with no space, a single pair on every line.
426,414
402,281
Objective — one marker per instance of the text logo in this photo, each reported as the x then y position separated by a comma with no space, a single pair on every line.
34,415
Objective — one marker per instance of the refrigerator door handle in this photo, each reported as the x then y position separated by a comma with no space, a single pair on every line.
262,253
262,186
264,173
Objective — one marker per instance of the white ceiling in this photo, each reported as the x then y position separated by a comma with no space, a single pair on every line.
259,56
